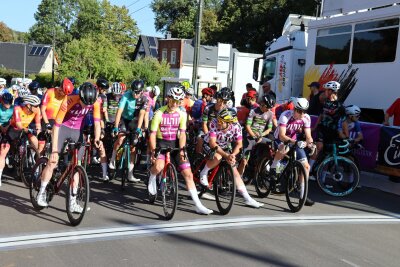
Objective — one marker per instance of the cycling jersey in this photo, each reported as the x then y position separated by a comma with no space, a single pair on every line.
52,102
354,127
103,98
224,138
5,115
142,103
257,120
293,126
166,125
25,116
18,101
112,106
209,113
332,112
72,113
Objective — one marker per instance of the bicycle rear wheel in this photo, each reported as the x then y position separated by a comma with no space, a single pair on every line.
262,183
86,158
26,163
224,188
338,177
296,187
77,199
35,181
170,191
123,168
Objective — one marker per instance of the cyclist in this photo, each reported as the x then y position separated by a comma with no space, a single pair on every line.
21,93
51,104
102,86
292,123
258,125
113,99
6,111
132,108
188,102
349,126
21,118
168,129
68,125
34,89
224,130
14,90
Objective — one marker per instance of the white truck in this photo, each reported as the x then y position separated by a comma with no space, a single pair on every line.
352,42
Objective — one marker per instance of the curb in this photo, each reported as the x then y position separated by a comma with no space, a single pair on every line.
379,181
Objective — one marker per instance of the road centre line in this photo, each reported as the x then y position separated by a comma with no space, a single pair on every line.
15,242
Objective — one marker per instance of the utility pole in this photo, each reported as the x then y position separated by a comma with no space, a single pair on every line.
53,59
197,46
23,79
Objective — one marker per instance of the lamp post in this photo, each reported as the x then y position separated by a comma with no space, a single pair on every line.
53,58
197,46
23,79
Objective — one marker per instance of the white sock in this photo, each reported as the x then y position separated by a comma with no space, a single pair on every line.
243,191
152,187
204,171
43,186
302,190
104,168
1,173
195,197
114,155
311,163
131,165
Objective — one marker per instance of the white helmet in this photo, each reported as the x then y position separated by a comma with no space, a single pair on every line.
22,91
149,89
176,93
31,100
229,103
335,86
300,103
3,81
116,88
15,87
190,91
353,110
156,90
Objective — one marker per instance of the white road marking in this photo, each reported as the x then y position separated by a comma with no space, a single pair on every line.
349,263
33,240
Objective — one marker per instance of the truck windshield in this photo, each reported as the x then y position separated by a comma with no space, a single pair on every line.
268,71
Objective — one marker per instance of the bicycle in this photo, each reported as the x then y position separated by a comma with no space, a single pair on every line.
57,181
88,132
338,174
167,184
288,182
220,179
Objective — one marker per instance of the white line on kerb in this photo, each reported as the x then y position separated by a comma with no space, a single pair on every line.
15,242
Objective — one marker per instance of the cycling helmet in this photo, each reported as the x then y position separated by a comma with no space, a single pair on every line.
67,86
300,103
116,88
176,93
149,89
137,86
34,86
7,98
123,86
269,100
3,81
31,100
353,110
23,92
228,116
229,104
190,91
15,87
102,83
88,93
156,90
207,91
334,86
72,79
224,94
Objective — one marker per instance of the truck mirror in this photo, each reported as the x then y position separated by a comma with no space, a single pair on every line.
255,69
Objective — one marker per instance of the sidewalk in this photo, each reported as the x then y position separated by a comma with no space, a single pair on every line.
378,181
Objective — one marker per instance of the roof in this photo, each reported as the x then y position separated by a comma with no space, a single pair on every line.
147,46
12,56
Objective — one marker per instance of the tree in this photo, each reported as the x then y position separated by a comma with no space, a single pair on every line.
150,70
6,34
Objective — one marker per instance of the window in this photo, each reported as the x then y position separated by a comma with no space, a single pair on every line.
269,68
375,41
153,52
173,56
152,41
44,50
333,45
164,55
33,50
37,52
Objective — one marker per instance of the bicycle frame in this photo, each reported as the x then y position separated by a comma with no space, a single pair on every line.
69,169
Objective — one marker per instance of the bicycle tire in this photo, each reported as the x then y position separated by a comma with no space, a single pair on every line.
334,180
224,188
294,196
86,158
35,181
247,176
82,196
262,183
170,191
124,166
27,161
196,169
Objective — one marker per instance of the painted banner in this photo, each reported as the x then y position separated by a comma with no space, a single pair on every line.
389,151
367,155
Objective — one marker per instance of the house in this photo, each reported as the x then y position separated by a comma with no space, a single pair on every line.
39,57
147,46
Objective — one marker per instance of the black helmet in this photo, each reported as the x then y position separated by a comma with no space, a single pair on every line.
137,86
269,100
7,98
102,83
88,93
34,86
72,79
224,94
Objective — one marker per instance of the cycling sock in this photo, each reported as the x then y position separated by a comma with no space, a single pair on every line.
311,163
104,168
1,173
74,191
204,171
43,186
131,165
152,187
114,155
195,197
243,191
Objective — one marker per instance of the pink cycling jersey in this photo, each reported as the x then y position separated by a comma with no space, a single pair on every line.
292,125
224,138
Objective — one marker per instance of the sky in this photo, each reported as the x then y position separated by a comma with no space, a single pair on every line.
21,19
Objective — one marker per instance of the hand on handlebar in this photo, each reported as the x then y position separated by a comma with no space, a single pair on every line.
115,131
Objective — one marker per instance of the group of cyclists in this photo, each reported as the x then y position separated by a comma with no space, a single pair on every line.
65,111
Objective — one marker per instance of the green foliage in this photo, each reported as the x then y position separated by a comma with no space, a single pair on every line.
150,70
44,79
6,34
8,74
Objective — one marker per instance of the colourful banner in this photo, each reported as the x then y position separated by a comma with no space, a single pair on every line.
367,155
389,151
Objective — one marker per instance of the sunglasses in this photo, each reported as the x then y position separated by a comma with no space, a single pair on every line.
300,111
221,100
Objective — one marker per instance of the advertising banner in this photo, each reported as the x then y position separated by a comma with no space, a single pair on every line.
389,151
367,155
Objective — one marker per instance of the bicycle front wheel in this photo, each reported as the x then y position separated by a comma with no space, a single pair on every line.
35,182
338,177
28,160
77,197
224,188
170,191
262,183
296,187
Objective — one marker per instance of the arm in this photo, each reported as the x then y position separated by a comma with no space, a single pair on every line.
44,115
118,117
266,132
386,122
250,131
213,144
282,135
142,115
309,138
343,131
236,150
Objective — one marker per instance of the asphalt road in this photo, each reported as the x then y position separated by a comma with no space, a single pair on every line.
122,229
